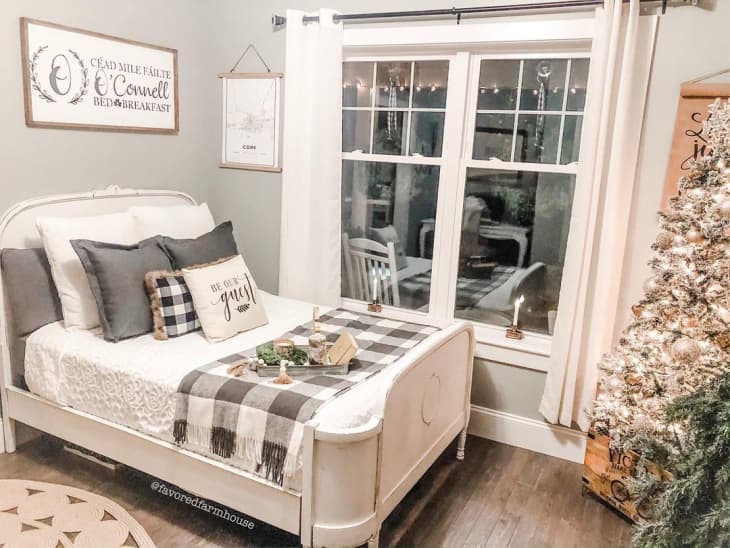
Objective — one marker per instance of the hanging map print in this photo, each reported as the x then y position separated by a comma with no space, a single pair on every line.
251,120
74,78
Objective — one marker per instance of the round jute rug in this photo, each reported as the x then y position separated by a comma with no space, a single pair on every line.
47,515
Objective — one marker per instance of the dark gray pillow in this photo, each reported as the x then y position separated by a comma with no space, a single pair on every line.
32,295
116,276
219,243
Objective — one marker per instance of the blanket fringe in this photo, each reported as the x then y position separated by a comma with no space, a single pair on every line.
180,431
271,459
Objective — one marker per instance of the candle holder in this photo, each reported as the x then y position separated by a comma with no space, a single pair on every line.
375,307
514,332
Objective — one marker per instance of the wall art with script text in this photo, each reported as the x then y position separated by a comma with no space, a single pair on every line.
690,142
75,78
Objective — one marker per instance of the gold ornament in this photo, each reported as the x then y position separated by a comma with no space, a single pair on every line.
637,310
633,379
694,236
664,240
723,341
724,314
690,322
725,208
685,350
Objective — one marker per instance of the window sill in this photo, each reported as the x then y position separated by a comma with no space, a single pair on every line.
532,352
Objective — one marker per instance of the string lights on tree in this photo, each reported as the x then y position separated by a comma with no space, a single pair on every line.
679,338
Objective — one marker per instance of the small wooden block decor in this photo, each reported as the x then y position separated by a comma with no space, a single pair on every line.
78,79
251,120
606,475
689,142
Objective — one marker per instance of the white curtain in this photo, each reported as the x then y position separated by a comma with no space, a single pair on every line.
309,262
620,68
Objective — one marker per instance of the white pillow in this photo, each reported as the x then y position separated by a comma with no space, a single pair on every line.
226,298
77,301
183,221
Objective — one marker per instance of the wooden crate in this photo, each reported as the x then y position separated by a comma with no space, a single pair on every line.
606,473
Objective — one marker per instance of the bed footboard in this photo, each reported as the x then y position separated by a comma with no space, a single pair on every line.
358,476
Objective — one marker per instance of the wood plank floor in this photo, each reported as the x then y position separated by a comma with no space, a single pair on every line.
499,496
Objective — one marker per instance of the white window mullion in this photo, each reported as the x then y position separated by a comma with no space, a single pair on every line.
408,115
460,121
518,105
562,117
373,96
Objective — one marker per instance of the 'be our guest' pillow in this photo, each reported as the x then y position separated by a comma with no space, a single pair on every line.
226,298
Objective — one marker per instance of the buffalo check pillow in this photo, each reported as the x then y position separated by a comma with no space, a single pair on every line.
173,313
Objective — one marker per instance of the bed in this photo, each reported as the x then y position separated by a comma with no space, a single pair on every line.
362,451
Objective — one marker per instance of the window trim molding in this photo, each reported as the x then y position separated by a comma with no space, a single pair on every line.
567,37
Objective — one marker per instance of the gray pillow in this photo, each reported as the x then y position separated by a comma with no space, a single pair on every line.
219,243
29,286
116,276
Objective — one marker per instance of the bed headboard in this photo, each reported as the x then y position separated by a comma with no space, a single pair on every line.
18,230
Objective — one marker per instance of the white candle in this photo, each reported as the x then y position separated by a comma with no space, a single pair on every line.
518,302
375,286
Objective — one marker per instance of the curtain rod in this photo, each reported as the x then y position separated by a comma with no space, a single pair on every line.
280,21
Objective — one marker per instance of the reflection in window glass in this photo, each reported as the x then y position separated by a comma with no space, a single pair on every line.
427,133
537,138
389,137
514,233
430,81
356,130
571,139
357,84
578,84
389,203
493,136
498,84
543,84
393,82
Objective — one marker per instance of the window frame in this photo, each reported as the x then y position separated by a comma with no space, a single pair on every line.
465,46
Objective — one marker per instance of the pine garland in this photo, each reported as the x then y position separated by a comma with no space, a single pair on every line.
693,509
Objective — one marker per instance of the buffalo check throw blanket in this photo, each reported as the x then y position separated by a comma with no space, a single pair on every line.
262,423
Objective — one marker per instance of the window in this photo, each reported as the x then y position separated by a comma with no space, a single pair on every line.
392,140
459,174
518,193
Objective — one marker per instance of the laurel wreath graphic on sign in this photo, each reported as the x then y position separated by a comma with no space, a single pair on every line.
45,95
35,84
76,99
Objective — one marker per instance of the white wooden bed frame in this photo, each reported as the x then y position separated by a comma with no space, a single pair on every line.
352,479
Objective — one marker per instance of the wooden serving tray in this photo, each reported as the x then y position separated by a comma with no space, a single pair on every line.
301,370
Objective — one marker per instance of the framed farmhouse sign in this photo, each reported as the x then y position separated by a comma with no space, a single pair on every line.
74,78
251,120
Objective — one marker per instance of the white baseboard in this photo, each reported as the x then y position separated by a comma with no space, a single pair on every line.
538,436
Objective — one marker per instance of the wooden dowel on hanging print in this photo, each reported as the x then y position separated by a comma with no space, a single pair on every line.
689,142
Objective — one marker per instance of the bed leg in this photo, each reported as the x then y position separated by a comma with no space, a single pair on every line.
374,540
9,434
461,445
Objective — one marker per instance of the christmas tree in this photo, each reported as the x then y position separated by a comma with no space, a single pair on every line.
678,339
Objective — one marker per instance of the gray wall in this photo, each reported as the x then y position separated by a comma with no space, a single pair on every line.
210,36
35,162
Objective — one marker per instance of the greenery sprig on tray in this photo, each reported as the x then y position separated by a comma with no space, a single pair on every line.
267,353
